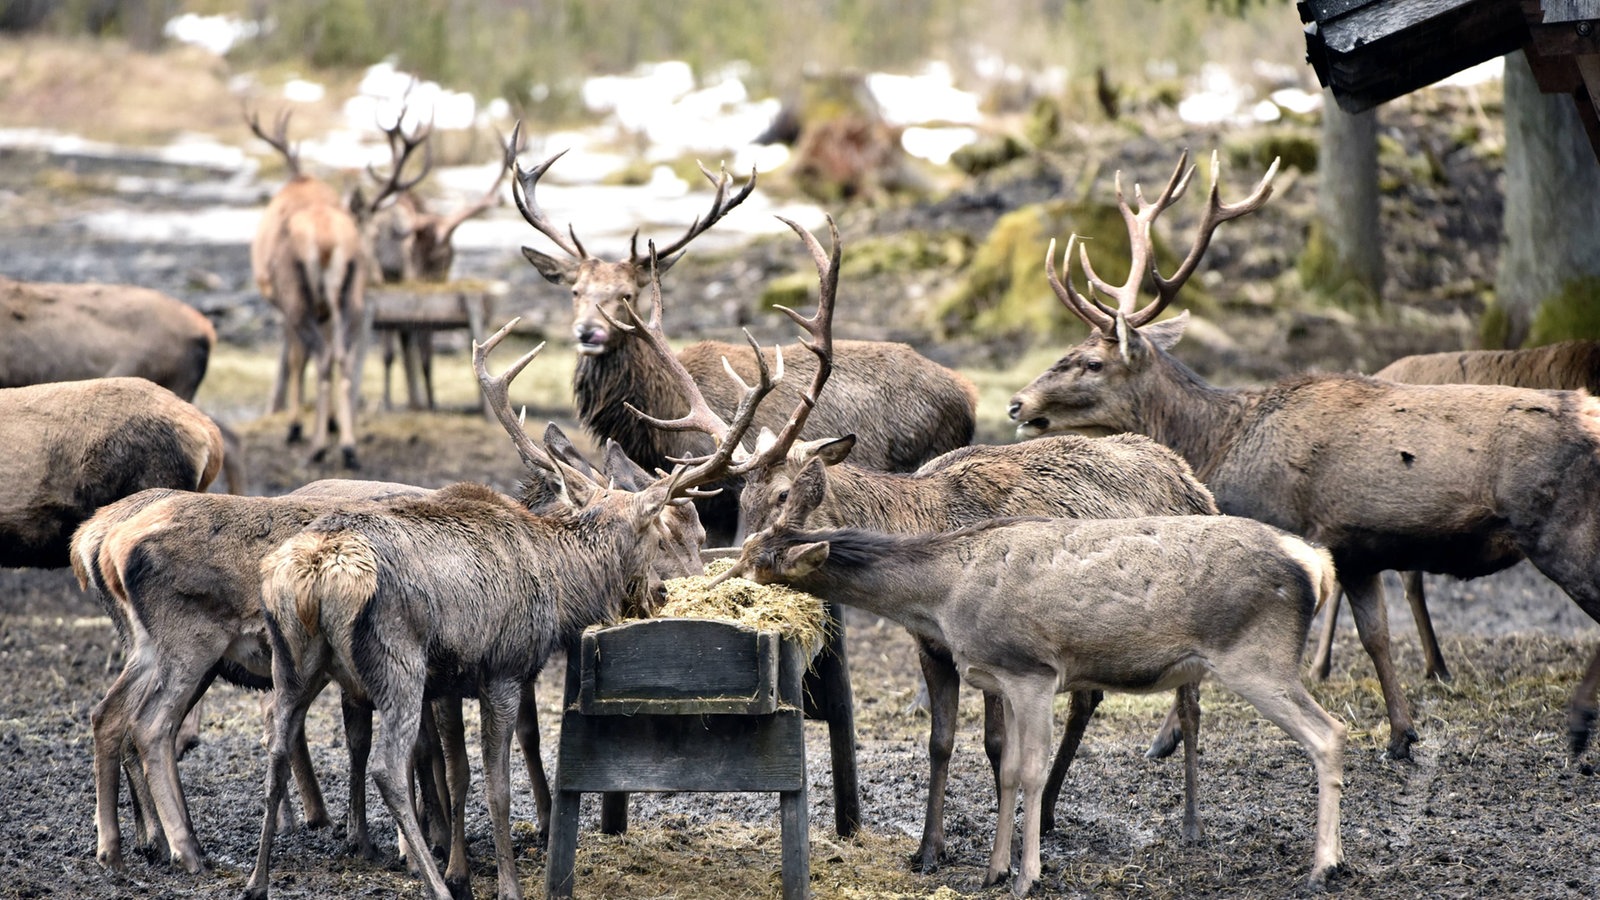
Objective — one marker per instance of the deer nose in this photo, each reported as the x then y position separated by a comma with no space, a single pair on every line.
1014,409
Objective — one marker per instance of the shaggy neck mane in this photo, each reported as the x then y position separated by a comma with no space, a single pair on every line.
601,385
1190,415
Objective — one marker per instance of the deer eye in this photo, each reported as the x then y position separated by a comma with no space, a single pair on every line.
783,496
1094,365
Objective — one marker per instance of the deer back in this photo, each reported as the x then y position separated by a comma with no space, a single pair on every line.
1568,365
271,246
76,446
72,332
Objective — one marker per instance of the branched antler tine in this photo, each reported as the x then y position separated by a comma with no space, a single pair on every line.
401,147
1216,213
497,391
1090,279
719,464
721,204
1095,316
522,191
819,328
489,198
278,140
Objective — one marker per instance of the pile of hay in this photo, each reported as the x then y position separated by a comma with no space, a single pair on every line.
797,616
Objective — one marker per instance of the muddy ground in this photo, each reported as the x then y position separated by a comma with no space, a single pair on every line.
1490,806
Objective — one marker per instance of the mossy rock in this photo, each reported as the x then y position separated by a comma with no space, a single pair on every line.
988,154
1322,274
1297,148
907,251
1573,313
1004,291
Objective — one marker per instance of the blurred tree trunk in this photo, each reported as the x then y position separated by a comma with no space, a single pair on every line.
1344,250
1548,284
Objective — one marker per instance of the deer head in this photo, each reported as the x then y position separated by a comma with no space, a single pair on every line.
1089,390
413,243
600,288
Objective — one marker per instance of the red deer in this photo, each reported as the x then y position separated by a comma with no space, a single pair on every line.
1439,478
1565,366
1033,606
1066,476
413,243
461,593
72,332
903,408
75,446
310,261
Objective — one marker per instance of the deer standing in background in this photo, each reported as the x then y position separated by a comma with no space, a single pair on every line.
1065,476
1438,478
310,261
903,408
1030,607
462,593
75,446
1565,366
413,243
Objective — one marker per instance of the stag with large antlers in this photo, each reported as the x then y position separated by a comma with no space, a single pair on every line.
1030,607
463,593
903,408
1386,475
310,261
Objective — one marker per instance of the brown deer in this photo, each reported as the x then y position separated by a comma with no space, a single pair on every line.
75,446
72,332
179,575
903,408
1066,476
1033,606
1439,478
310,261
461,593
1564,366
411,242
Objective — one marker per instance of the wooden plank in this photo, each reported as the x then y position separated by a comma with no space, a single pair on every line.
1377,22
1570,10
678,666
681,753
395,307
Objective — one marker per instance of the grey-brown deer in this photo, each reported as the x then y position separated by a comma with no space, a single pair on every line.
75,446
1066,476
1438,478
903,408
1033,606
461,593
310,260
1564,366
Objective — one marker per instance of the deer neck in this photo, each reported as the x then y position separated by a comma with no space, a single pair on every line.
899,577
603,385
1195,418
597,564
882,501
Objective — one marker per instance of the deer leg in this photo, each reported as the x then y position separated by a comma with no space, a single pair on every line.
341,366
358,738
289,705
155,734
1032,711
189,730
427,762
1322,657
528,738
1281,697
1188,702
425,361
401,713
453,743
390,337
1080,709
1418,601
411,357
1581,709
944,691
109,723
1168,735
1006,810
498,710
1366,604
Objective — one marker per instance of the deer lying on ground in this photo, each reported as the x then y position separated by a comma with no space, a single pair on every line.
310,261
1066,476
903,408
75,446
1030,607
1569,366
461,593
413,243
1439,478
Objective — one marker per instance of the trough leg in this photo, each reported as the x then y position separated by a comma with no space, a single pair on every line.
563,843
828,684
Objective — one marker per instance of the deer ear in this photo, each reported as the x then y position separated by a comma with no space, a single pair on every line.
831,451
803,559
576,488
647,505
558,445
1166,334
555,271
805,494
628,474
641,273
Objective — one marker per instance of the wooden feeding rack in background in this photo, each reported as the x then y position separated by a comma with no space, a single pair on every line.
1369,51
468,305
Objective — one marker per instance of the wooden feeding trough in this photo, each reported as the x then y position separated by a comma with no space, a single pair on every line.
426,307
682,705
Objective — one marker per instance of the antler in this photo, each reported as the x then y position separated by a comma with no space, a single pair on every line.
278,139
1142,251
522,189
721,204
496,390
401,146
820,329
448,226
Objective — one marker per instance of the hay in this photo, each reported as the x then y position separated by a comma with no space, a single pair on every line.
797,616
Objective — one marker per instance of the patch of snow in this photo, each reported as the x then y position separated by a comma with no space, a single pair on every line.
930,96
217,34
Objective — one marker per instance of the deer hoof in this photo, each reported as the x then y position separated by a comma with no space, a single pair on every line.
296,434
350,461
1580,724
927,859
1164,743
1320,877
1400,745
459,890
992,877
1021,886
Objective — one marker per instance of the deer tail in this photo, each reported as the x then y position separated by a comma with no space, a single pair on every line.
1318,565
317,572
